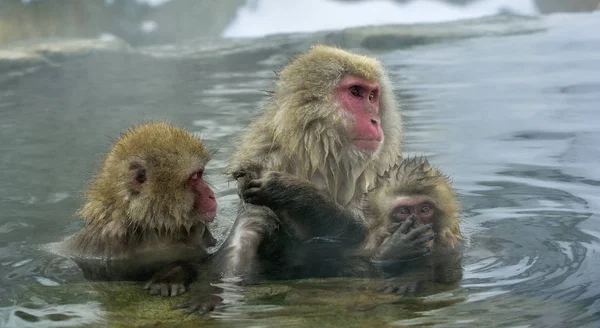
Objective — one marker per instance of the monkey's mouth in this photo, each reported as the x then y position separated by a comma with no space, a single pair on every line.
367,144
207,215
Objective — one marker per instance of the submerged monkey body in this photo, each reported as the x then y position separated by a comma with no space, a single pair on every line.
412,233
146,208
109,254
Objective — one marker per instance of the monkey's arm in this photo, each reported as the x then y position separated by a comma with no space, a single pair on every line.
439,270
292,197
447,264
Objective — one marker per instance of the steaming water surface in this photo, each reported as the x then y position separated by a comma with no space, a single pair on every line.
513,119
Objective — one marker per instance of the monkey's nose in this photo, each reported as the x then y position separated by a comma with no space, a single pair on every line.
374,121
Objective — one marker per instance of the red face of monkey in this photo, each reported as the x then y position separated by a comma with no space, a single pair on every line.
205,203
420,208
360,98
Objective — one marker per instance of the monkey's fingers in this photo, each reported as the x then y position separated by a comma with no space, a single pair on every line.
185,305
424,239
177,289
164,290
200,307
406,224
188,308
393,227
407,289
255,196
254,184
398,288
253,200
275,175
418,231
402,290
208,307
417,253
156,289
398,229
251,192
389,289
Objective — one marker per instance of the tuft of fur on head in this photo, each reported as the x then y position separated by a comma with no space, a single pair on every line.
117,207
299,130
415,176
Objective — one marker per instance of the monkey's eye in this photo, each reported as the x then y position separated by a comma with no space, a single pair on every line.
403,210
197,175
371,96
354,90
425,208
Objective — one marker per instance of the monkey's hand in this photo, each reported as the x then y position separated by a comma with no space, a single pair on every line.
422,276
276,189
299,203
402,285
200,305
204,300
172,280
243,176
406,244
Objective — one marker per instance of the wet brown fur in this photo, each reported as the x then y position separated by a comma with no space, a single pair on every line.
412,177
145,223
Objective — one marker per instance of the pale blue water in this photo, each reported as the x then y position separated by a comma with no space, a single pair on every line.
514,119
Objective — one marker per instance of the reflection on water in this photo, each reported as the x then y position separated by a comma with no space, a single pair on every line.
513,119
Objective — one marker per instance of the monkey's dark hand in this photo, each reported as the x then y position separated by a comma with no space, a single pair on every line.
204,300
406,243
271,189
172,280
289,196
403,286
247,172
243,176
200,305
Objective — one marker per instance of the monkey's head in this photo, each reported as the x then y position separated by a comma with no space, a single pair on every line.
153,178
338,102
414,189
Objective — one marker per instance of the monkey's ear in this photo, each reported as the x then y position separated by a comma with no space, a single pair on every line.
137,174
239,174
